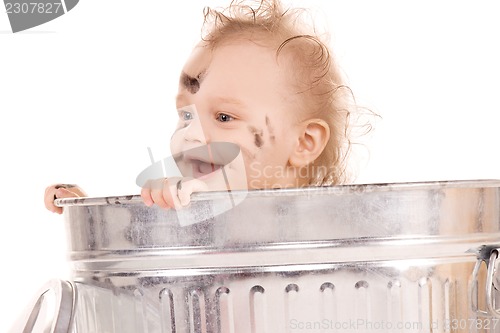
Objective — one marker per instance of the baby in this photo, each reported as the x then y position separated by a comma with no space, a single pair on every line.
263,86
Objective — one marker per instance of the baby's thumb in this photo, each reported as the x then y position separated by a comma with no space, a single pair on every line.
189,187
65,193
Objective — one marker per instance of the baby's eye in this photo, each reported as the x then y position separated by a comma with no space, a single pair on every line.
186,115
222,117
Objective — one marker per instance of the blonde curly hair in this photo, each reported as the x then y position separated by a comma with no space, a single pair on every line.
314,75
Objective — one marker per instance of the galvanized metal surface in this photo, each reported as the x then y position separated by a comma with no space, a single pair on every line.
386,258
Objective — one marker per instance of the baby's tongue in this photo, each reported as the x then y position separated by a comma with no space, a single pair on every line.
206,168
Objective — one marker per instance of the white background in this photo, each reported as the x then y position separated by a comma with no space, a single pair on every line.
83,96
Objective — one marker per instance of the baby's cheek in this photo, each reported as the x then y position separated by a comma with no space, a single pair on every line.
245,141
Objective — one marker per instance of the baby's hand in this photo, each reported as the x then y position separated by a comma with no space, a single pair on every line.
61,191
171,192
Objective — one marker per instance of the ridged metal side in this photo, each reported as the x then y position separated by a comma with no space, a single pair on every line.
167,311
351,300
225,310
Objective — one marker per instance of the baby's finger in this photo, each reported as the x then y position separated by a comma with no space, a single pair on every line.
170,193
157,193
72,188
146,194
66,193
186,188
48,199
58,191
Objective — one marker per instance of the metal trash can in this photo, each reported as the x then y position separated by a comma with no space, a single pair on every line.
408,257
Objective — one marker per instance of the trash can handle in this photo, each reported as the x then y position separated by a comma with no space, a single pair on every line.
65,297
490,288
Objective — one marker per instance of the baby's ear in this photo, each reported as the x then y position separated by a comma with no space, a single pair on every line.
313,138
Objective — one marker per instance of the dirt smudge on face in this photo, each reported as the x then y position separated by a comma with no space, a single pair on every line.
270,129
191,83
258,136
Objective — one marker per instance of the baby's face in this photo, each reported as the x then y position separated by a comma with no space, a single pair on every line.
236,94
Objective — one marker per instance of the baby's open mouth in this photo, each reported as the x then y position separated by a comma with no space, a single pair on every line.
202,161
200,167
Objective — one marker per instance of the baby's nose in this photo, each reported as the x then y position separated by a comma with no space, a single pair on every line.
195,132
